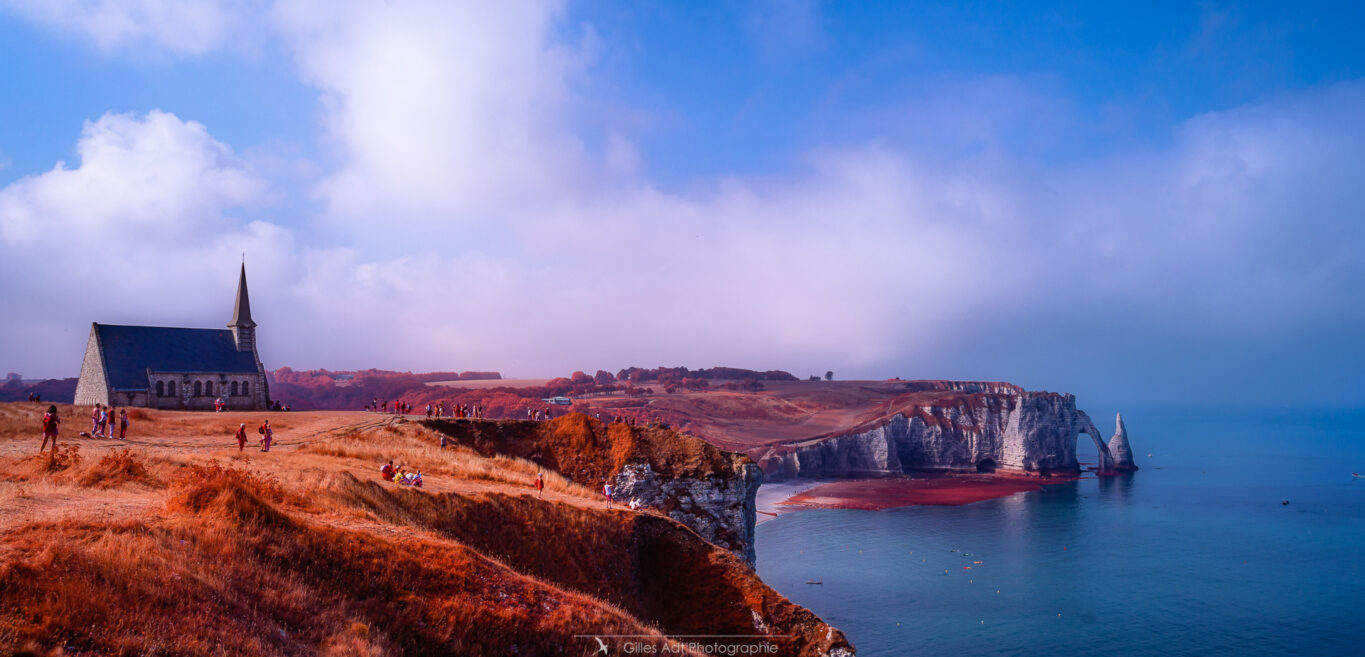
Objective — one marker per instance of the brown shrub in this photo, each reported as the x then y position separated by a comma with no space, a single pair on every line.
231,493
116,468
64,457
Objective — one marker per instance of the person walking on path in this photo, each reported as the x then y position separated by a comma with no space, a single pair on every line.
123,424
50,422
241,438
267,435
540,485
606,492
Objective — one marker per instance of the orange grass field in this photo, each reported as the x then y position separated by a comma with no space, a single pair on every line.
175,543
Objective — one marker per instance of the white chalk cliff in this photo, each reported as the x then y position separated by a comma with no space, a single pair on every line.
1119,447
990,426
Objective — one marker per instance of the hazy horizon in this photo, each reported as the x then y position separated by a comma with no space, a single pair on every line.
1146,203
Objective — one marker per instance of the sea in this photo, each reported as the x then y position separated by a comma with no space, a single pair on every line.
1195,554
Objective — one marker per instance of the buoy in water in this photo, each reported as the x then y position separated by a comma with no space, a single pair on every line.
1284,502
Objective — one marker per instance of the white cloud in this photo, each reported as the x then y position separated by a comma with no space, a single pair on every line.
192,28
137,231
442,112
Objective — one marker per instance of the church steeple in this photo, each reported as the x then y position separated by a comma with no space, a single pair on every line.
243,329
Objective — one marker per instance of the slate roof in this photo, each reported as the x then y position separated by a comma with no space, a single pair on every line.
129,351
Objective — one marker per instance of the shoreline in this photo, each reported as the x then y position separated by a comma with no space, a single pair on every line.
877,494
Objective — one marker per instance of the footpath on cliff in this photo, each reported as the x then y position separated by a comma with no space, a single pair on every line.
174,541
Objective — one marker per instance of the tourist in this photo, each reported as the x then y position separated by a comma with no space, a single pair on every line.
123,424
103,421
241,437
443,441
416,479
386,471
267,435
95,420
634,504
428,411
606,492
50,422
540,485
30,396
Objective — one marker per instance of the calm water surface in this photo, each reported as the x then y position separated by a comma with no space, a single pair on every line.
1193,555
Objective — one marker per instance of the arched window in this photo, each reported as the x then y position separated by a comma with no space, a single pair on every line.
198,389
246,388
170,388
160,388
208,388
234,388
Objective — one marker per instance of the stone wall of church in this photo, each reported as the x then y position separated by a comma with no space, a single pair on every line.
93,386
177,390
128,398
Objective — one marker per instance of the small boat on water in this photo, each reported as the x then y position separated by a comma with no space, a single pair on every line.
815,581
1355,474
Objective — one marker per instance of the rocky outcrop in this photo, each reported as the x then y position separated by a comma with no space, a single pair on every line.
988,426
694,482
721,509
1119,447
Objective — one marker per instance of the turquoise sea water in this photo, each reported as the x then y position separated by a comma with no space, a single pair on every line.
1193,555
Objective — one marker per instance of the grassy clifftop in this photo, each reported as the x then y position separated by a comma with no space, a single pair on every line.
175,543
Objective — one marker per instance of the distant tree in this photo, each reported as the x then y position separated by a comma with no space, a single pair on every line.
603,378
579,377
829,376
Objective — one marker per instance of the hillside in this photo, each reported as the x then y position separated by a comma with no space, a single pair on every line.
176,543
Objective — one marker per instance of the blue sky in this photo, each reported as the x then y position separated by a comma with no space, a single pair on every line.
1140,201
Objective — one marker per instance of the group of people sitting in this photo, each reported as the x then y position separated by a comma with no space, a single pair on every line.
400,474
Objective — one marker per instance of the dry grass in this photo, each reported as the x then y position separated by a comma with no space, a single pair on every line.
228,570
416,447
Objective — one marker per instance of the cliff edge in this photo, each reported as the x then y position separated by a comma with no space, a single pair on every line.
688,479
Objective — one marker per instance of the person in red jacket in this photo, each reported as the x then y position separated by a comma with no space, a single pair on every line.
241,437
50,422
386,471
267,435
540,485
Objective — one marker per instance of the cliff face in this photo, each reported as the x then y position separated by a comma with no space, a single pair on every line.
986,426
722,509
693,482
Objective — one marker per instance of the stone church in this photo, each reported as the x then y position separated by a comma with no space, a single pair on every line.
176,368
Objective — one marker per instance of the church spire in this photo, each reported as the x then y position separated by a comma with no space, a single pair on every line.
241,312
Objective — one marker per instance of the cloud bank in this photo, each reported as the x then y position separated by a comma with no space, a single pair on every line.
478,213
